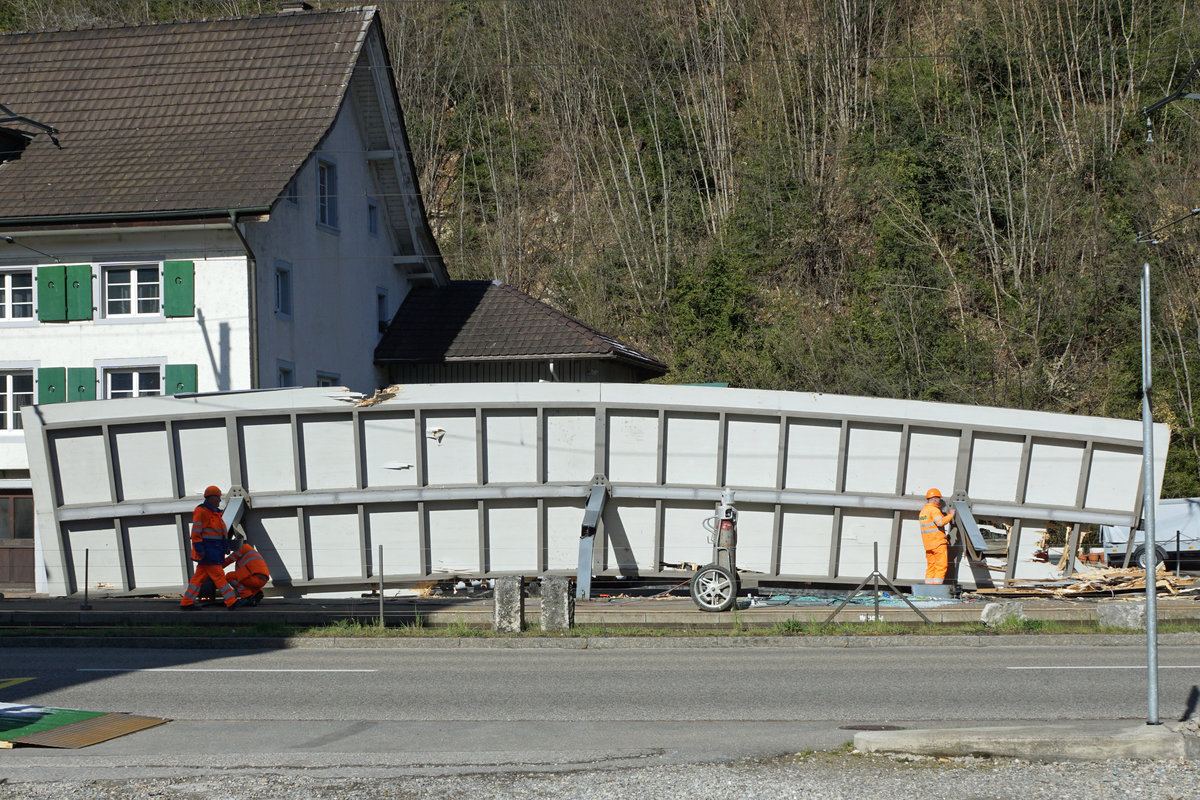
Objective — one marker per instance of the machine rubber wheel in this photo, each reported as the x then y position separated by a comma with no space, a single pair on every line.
1138,558
714,588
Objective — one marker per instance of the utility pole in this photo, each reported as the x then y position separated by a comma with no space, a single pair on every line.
1150,491
1149,507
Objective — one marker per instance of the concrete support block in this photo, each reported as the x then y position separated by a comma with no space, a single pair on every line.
1002,611
509,601
1122,614
558,604
933,591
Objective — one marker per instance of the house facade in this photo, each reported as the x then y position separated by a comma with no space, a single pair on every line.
189,207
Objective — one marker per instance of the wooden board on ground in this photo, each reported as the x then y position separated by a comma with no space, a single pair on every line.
1106,581
67,728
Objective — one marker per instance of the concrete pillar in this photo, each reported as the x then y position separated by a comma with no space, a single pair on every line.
1127,614
558,604
509,605
1003,611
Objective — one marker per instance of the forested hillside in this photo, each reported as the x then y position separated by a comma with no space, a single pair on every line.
929,199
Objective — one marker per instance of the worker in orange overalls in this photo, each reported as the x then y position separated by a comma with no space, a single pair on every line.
933,534
251,573
210,542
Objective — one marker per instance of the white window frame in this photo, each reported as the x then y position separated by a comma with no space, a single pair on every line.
327,194
328,379
107,269
285,290
6,296
107,373
10,414
285,370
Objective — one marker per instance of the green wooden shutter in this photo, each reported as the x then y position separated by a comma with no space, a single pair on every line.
51,385
79,292
180,378
81,383
52,293
179,292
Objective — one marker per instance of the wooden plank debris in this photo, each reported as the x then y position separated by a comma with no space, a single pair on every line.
1105,581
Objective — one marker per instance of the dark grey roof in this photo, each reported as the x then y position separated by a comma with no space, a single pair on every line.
173,117
489,321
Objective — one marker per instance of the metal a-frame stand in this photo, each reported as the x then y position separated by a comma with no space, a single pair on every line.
876,576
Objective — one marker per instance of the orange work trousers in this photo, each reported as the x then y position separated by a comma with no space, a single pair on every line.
247,584
936,562
203,571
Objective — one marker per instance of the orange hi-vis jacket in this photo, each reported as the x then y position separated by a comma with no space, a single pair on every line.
249,562
209,536
937,556
933,524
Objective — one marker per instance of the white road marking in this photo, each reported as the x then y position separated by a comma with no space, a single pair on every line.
1143,666
199,669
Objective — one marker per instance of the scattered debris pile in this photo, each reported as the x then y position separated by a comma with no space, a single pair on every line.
380,396
1104,581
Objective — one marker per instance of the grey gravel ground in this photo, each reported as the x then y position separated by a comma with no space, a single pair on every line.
821,776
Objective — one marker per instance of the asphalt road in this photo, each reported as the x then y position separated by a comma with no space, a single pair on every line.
412,711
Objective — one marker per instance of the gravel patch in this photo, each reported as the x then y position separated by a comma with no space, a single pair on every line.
840,775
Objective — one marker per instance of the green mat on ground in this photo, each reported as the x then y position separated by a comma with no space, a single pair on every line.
18,720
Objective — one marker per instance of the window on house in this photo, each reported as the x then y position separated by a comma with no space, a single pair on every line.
283,289
132,291
327,379
372,218
132,382
285,373
381,309
327,208
16,294
291,192
16,390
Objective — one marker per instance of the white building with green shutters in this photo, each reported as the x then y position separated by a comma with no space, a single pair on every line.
234,209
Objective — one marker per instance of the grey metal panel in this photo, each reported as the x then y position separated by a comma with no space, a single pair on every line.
110,468
304,411
364,545
1084,475
1014,547
893,546
902,465
123,559
1023,473
835,544
173,455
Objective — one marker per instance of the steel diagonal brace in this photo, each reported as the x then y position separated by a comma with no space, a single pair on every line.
587,536
976,545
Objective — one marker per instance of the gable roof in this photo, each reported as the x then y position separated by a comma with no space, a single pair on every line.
174,118
490,321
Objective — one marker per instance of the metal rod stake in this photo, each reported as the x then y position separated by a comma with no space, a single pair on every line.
86,605
380,568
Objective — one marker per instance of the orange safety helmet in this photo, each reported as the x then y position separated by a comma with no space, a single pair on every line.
932,493
211,490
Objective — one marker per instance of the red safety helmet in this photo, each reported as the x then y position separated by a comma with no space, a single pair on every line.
932,493
211,490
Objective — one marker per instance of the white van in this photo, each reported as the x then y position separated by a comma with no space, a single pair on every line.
1177,521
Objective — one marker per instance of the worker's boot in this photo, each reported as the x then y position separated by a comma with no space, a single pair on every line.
256,599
